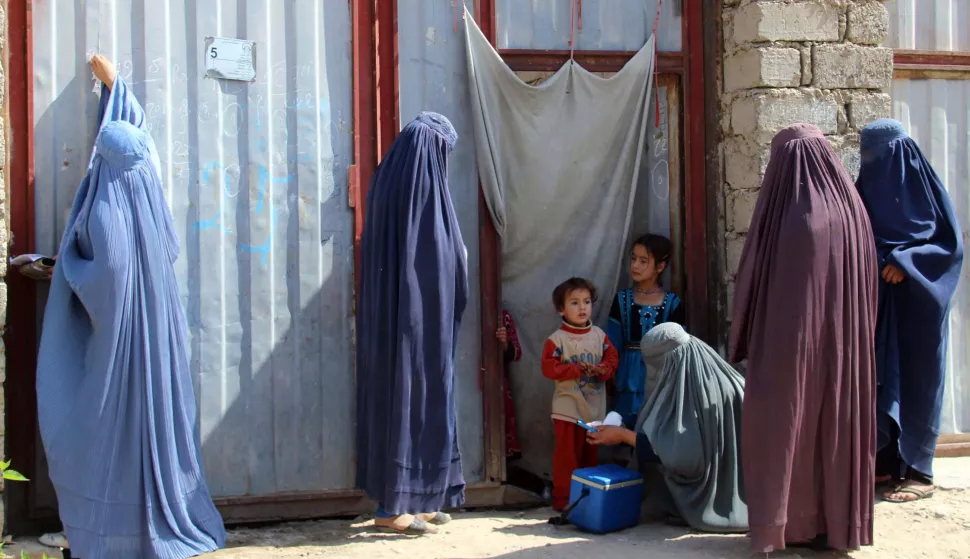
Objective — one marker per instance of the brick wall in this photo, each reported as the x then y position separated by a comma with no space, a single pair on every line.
788,61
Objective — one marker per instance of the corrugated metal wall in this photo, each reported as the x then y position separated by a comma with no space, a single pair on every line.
935,25
607,24
256,175
256,178
433,76
937,116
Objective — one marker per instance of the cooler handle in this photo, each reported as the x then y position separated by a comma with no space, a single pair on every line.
563,518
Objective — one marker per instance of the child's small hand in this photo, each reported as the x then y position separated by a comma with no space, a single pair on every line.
892,274
502,335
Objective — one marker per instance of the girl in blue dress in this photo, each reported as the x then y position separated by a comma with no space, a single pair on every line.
635,311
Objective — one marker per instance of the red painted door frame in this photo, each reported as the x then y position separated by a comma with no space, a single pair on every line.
490,278
20,335
698,110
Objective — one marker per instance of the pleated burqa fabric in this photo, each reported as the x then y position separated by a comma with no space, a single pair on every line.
693,421
917,231
114,390
804,317
413,292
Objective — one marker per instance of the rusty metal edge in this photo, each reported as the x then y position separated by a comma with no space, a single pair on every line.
531,60
930,72
953,446
953,450
716,304
328,504
365,110
695,167
490,276
387,91
675,167
931,58
20,335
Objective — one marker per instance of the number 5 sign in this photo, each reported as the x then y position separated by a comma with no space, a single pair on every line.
230,59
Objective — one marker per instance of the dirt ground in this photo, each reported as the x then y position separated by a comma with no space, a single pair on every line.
937,528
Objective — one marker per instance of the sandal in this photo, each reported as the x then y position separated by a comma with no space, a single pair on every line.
55,539
417,527
909,488
436,518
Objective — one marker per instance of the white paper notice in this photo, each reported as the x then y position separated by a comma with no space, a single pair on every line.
230,59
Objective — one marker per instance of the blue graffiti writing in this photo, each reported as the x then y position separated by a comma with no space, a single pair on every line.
263,180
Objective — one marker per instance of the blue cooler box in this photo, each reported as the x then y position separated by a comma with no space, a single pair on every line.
612,501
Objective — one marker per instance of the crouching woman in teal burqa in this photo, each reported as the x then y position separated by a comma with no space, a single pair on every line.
690,428
114,390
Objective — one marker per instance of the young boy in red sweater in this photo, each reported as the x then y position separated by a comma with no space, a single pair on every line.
580,358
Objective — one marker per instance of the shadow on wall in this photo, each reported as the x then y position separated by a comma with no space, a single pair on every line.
273,366
266,269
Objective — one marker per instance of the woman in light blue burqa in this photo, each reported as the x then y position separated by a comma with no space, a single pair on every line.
115,399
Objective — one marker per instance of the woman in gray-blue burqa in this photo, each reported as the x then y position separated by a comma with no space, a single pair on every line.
114,391
690,428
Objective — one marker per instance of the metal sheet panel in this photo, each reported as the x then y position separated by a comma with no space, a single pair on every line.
607,24
433,77
937,25
936,114
256,176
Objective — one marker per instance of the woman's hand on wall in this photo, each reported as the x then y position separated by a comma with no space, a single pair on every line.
104,70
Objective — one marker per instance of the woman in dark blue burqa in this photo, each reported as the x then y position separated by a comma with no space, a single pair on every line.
413,290
921,251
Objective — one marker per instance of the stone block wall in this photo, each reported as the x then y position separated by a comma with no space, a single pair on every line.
788,61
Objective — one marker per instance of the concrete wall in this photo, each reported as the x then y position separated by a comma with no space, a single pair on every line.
816,61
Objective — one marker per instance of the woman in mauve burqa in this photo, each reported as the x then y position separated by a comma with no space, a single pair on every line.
413,291
804,317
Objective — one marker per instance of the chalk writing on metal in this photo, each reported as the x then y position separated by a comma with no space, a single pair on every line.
661,169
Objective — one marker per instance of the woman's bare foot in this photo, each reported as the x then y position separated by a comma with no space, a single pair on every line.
104,70
909,491
404,524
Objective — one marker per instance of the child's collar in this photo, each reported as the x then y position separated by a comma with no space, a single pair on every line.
567,327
